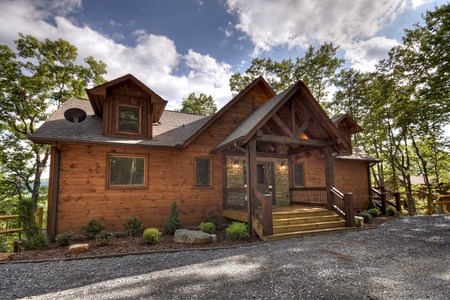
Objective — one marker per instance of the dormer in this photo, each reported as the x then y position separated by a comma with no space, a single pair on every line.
347,127
128,108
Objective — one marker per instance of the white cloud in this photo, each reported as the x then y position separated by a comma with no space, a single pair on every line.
295,23
153,59
364,55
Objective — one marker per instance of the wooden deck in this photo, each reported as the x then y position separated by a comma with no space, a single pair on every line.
295,221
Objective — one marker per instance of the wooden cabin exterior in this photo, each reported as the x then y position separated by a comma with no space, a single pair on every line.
133,158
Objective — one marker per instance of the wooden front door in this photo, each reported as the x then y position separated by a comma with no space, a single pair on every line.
265,179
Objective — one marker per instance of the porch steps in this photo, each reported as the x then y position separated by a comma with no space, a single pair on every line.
292,224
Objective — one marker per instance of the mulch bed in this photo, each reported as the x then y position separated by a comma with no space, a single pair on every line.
130,245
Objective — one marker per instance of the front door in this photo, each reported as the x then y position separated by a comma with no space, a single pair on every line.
265,179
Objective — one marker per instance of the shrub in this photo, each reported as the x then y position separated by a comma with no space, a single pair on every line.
208,227
371,204
3,244
92,228
367,217
151,236
375,212
173,220
390,210
37,242
237,231
104,237
64,239
212,218
133,226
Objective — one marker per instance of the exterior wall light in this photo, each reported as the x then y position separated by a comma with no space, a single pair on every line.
236,164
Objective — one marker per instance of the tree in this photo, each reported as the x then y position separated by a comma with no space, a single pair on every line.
33,82
202,105
317,69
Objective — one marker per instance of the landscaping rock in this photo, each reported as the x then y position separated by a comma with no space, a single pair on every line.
361,220
78,248
193,237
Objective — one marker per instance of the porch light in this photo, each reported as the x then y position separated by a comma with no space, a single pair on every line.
283,166
236,164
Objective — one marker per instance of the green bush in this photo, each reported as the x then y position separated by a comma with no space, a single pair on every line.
92,228
37,242
371,204
173,220
208,227
64,239
390,210
151,236
133,226
237,231
104,237
367,217
375,212
3,244
212,218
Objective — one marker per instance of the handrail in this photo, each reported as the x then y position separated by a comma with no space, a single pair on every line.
39,218
266,212
382,193
346,210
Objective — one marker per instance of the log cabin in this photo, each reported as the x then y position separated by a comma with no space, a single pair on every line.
276,162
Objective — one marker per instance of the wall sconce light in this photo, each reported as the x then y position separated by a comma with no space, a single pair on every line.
283,166
236,164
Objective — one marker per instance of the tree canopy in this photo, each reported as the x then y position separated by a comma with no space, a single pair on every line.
202,105
34,81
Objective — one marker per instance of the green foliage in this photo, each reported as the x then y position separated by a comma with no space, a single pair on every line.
92,228
366,215
357,222
27,218
237,231
64,239
133,226
391,211
37,242
202,105
375,212
173,220
104,237
3,244
208,227
211,217
371,204
151,236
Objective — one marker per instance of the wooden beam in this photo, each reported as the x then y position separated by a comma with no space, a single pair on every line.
292,107
329,176
251,181
281,124
296,141
304,126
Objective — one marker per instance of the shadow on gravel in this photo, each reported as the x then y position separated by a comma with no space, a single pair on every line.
407,258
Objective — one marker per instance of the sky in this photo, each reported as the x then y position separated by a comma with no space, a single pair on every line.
184,46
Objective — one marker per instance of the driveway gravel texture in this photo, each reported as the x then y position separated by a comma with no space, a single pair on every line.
406,258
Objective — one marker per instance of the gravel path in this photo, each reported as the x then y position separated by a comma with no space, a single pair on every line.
407,258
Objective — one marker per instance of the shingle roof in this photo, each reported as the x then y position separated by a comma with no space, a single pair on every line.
174,130
358,154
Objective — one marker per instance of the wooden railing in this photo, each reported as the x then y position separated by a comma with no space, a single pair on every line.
344,206
235,198
39,218
309,195
385,196
262,210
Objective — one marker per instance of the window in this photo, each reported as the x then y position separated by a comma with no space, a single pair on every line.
129,119
299,176
127,171
203,172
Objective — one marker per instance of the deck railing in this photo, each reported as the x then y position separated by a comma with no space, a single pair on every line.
309,195
262,210
39,217
235,198
344,206
384,196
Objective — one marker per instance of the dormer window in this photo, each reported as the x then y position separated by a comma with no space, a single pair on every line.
129,118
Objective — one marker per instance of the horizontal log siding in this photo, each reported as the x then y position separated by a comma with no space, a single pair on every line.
171,176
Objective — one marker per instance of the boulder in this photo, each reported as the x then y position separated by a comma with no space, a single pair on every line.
361,220
78,248
186,236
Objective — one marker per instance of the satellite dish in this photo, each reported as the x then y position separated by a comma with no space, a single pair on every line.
75,115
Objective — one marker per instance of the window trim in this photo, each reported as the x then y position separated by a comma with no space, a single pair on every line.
126,186
303,174
119,105
210,173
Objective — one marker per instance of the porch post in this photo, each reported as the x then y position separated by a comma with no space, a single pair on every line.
329,176
251,182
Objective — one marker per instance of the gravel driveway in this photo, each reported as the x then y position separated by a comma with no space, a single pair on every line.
407,258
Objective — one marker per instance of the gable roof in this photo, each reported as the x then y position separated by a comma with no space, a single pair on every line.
98,94
174,130
258,81
247,129
354,127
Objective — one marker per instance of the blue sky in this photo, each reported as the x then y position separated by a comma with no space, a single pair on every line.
184,46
